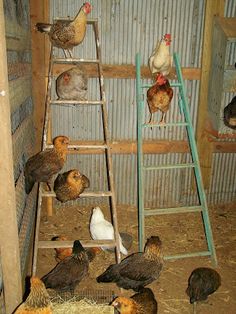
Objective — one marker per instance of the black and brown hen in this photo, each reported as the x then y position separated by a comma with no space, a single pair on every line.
138,269
230,114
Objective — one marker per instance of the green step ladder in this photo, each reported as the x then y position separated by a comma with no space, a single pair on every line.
142,211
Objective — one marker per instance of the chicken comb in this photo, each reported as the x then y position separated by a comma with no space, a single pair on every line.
167,36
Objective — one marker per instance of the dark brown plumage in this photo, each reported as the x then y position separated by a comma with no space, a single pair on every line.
143,302
70,271
138,269
38,301
42,166
69,185
67,34
159,97
230,114
202,282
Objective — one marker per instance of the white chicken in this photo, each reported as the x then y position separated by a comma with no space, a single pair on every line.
102,229
161,61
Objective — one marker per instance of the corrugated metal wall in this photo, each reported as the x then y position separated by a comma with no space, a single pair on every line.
127,27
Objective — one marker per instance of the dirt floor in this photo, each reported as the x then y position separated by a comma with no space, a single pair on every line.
179,233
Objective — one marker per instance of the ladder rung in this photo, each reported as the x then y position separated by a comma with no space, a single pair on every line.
150,125
73,147
171,84
84,194
75,60
76,102
172,210
201,253
66,244
176,166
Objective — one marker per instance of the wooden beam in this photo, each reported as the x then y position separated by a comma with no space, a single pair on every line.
9,242
205,149
39,12
123,71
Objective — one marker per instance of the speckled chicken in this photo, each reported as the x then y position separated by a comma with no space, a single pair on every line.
138,269
45,164
70,271
72,84
67,34
202,282
159,97
230,114
38,301
69,185
143,302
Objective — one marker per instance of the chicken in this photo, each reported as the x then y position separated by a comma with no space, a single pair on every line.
67,34
69,185
202,282
161,61
230,114
143,302
38,301
138,269
62,253
159,97
102,229
42,166
72,84
70,271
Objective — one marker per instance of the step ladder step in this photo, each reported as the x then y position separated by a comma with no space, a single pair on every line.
76,102
84,194
172,210
73,147
186,255
74,60
154,125
176,166
171,84
66,244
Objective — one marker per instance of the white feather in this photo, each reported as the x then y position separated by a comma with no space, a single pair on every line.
102,229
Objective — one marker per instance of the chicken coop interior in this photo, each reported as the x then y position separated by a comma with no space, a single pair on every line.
118,156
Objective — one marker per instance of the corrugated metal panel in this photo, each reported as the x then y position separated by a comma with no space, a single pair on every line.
125,28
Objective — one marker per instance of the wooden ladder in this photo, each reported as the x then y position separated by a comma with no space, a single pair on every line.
195,165
38,244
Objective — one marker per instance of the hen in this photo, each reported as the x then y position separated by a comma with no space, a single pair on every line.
136,270
230,114
62,253
102,229
69,185
161,61
70,271
159,97
72,84
67,34
143,302
42,166
202,282
38,301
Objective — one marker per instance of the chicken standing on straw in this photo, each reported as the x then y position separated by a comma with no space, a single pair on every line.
67,34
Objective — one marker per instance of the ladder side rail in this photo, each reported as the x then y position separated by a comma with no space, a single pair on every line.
197,172
110,176
140,105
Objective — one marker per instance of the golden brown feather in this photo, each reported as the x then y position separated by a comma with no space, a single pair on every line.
38,301
42,166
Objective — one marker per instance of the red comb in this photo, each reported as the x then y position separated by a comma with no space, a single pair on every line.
168,36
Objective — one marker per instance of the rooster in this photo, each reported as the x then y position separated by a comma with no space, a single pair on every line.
67,34
159,97
42,166
161,60
69,185
230,114
138,269
38,301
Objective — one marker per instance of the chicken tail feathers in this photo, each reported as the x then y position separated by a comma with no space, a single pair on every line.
29,183
43,27
108,276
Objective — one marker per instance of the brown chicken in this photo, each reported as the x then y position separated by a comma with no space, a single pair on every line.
230,114
69,185
38,301
42,166
143,302
136,270
70,271
62,253
72,84
67,34
159,97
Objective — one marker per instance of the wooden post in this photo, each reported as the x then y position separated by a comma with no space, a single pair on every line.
9,241
205,148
